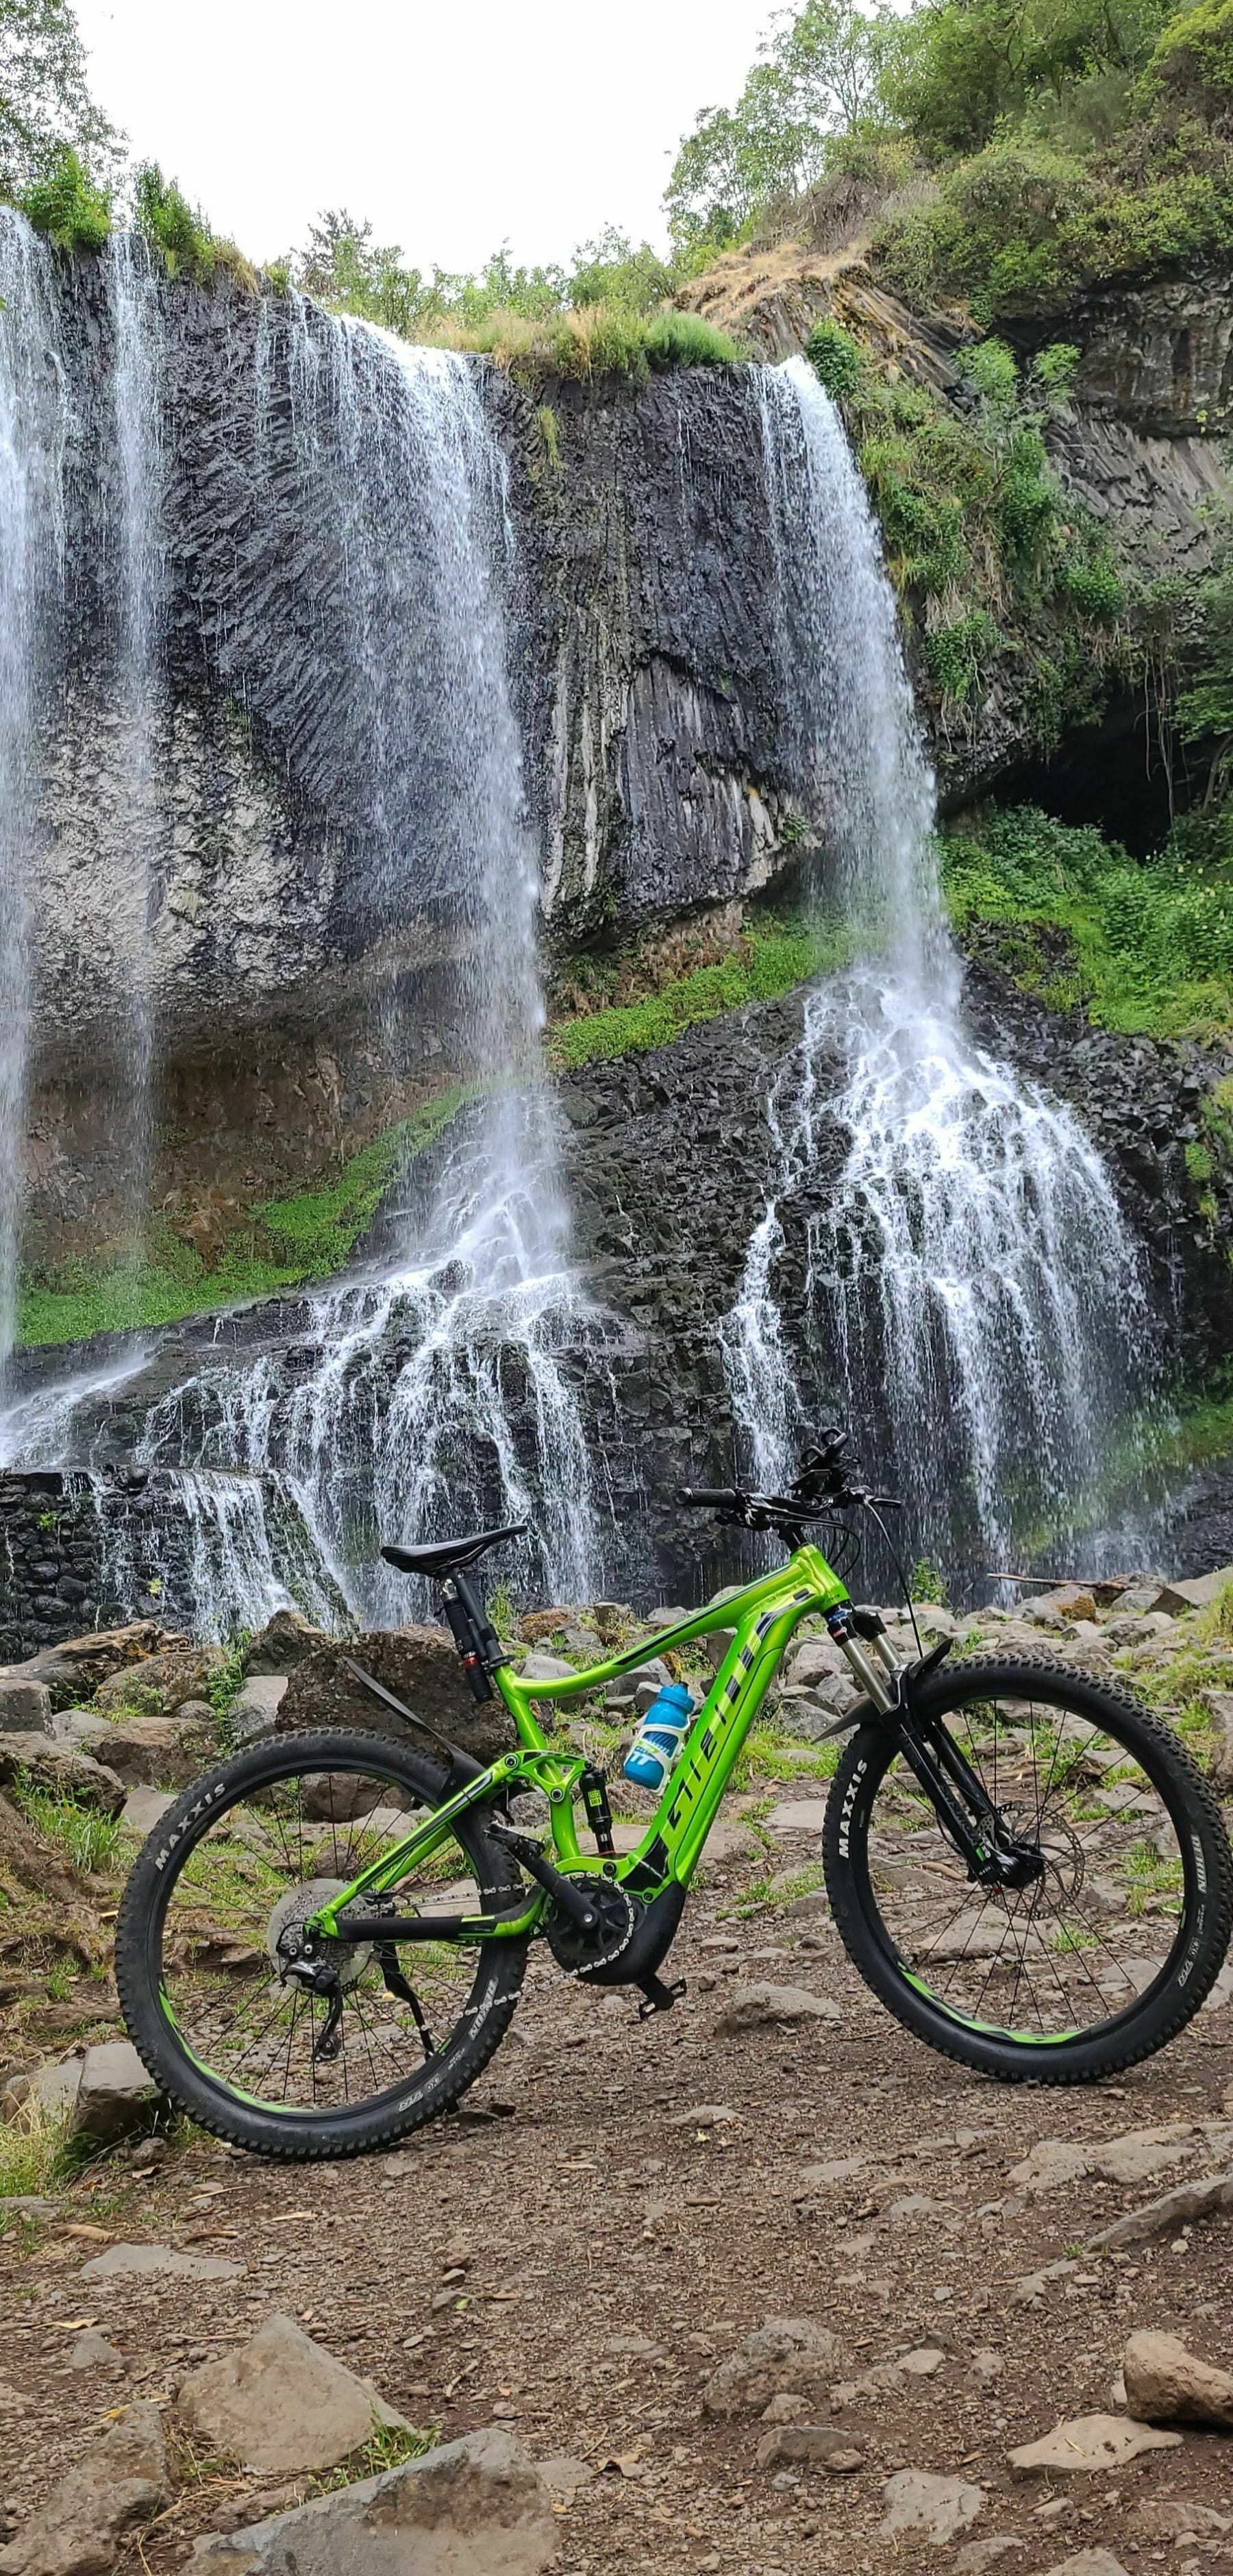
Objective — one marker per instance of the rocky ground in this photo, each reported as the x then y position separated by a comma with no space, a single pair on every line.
582,2255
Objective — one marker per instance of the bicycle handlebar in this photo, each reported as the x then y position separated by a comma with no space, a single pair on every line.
703,1498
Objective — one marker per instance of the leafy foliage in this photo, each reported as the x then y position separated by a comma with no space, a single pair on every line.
767,961
1147,944
165,216
46,109
66,205
817,74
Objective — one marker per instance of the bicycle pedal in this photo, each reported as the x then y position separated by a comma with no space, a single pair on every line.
659,1998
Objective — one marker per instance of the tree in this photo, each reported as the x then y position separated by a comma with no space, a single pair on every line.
960,67
817,74
45,105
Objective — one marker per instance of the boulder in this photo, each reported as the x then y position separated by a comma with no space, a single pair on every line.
25,1707
159,1685
163,1752
81,1728
1088,2562
477,2507
285,1641
1166,2384
283,2404
1197,1593
817,1659
62,1768
716,1642
1178,2518
51,2090
74,1670
1086,2443
420,1665
764,2006
1219,1707
1174,2209
538,1667
254,1710
119,2482
143,1809
784,2353
157,2262
115,2097
940,2508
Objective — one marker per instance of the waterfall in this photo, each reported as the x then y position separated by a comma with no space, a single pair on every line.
35,424
437,1389
972,1301
136,519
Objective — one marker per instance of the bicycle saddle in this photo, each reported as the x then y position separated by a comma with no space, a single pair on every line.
446,1554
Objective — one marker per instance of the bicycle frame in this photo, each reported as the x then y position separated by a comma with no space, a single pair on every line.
765,1615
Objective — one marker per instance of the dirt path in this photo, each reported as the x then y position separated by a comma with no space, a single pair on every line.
605,2251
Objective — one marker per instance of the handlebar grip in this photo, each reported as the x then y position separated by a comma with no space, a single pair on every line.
704,1497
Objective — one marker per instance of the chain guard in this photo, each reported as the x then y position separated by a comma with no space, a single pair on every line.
589,1954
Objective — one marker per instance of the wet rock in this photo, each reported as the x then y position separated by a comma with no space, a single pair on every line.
478,2505
282,2403
1174,2209
25,1707
119,2483
816,2446
160,1683
938,2507
766,2007
1086,2443
285,1641
116,2097
420,1665
784,2353
1166,2384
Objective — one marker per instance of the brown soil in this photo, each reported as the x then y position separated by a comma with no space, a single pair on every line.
586,2214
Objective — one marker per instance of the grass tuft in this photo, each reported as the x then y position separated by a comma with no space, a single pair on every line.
87,1839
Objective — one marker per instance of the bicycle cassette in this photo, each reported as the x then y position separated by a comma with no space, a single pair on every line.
588,1954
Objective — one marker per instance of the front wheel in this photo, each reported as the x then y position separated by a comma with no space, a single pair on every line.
1121,1920
257,1846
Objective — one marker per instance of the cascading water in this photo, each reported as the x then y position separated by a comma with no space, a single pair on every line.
136,525
972,1299
35,425
441,1388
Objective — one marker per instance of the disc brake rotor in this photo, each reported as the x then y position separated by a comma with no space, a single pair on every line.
348,1958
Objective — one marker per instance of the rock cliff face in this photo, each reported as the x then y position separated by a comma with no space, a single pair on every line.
641,619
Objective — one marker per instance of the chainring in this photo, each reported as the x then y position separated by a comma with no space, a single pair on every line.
585,1954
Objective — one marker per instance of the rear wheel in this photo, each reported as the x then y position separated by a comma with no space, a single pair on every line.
1121,1926
258,1845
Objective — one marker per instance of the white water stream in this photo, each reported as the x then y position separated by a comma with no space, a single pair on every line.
973,1301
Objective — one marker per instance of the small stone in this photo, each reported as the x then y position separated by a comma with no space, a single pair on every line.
1165,2383
563,2476
797,1816
939,2507
1086,2443
786,2408
707,2115
546,1668
1175,2517
91,2351
1088,2562
819,2446
281,2403
119,2482
922,2363
478,2505
149,2262
836,2169
789,2353
1163,2217
762,2007
116,2097
977,2555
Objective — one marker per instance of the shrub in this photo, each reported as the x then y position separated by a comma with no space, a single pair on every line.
1193,62
166,218
957,654
835,357
66,206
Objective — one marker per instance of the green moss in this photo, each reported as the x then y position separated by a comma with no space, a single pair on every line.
66,206
768,962
287,1242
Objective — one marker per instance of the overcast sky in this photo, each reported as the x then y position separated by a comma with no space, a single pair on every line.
455,125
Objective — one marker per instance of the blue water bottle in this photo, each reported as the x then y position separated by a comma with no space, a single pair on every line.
661,1733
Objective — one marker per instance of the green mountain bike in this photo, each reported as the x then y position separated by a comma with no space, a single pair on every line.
322,1943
